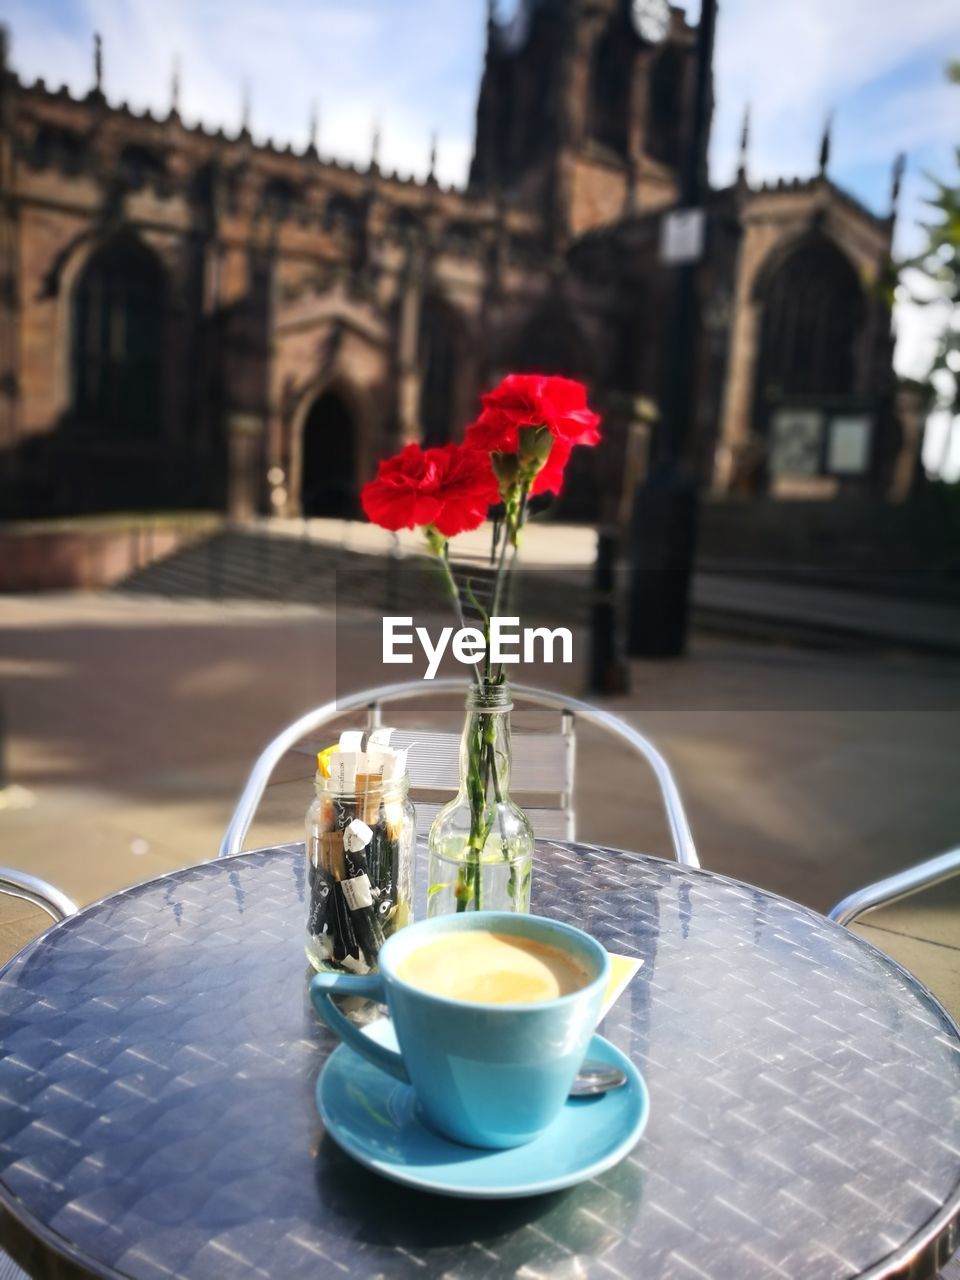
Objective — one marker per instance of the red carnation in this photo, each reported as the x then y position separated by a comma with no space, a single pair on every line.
549,479
533,400
449,488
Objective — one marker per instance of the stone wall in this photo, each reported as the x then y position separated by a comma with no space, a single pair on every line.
70,555
869,537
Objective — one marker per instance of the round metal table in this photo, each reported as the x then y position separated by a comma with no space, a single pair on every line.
158,1057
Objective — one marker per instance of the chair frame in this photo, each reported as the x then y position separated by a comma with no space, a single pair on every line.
883,893
18,884
39,893
681,836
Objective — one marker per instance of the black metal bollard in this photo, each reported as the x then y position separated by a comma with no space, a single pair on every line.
608,673
663,540
4,777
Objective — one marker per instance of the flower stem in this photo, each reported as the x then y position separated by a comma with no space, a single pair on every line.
514,524
507,539
443,557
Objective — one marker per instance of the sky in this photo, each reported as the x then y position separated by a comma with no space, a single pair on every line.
413,67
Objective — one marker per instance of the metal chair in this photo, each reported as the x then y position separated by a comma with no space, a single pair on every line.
18,884
9,1269
15,933
927,955
883,893
20,926
545,769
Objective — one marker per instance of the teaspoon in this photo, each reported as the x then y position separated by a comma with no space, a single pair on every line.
596,1077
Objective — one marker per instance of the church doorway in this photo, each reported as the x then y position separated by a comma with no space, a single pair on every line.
329,467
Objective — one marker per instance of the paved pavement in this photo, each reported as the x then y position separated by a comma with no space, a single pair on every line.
133,722
299,559
814,612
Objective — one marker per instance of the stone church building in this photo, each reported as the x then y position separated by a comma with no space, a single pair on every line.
191,319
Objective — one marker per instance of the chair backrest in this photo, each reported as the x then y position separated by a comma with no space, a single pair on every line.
372,700
541,779
18,884
27,904
883,893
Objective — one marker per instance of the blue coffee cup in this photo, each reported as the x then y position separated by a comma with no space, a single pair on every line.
488,1075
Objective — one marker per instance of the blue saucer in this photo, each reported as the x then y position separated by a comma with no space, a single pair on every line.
374,1119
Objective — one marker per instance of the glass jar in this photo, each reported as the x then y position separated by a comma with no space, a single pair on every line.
360,843
481,843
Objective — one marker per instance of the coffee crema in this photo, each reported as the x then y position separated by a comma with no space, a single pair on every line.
482,967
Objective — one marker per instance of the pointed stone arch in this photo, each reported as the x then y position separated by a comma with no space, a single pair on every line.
330,452
813,313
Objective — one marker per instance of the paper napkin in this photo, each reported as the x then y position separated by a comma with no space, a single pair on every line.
622,970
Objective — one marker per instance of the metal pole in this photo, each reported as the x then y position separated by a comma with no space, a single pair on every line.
665,512
671,439
606,674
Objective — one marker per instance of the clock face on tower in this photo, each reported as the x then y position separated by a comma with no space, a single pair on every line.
651,19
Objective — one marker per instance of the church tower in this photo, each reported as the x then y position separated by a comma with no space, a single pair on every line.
583,110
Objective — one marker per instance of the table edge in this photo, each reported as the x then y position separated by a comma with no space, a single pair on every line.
68,1260
923,1247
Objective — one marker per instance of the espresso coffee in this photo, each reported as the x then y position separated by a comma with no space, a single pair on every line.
482,967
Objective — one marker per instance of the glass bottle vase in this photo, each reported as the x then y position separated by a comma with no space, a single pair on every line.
481,843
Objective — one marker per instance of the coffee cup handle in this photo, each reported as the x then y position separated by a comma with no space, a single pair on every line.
326,985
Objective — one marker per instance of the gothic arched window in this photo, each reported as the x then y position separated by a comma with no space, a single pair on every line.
60,148
610,75
343,214
279,197
403,223
665,114
116,340
139,165
202,183
461,239
813,312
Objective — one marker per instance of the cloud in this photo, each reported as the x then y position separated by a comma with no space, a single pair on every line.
404,66
796,62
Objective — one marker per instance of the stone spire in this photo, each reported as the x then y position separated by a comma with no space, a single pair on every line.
313,128
432,171
896,182
375,147
97,64
744,145
175,87
245,109
825,145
